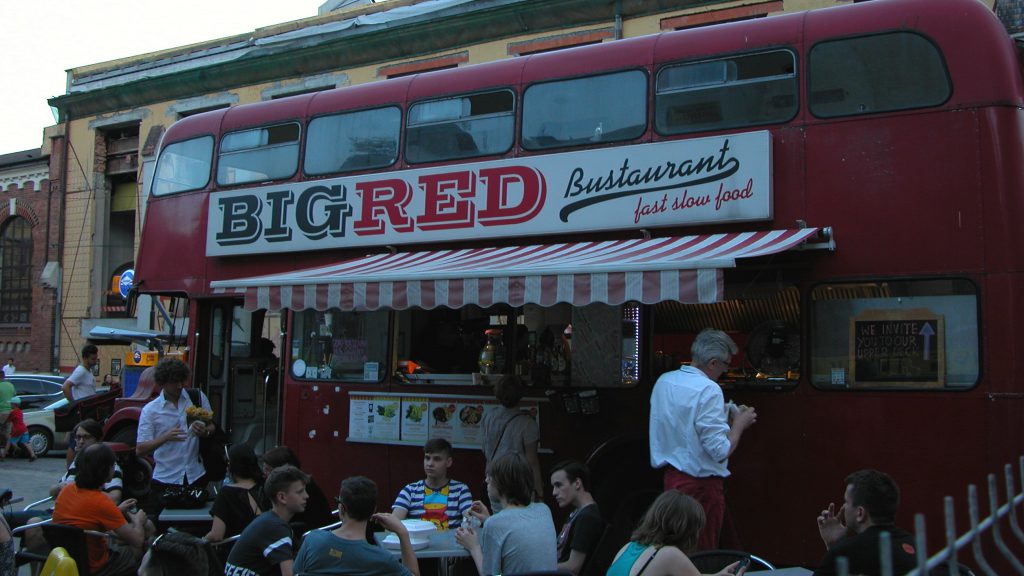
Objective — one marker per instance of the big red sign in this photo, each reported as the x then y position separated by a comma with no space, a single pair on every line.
718,179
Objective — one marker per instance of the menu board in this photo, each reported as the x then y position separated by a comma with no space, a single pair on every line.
414,419
897,347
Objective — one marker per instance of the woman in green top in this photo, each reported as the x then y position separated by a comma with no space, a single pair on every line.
6,393
667,531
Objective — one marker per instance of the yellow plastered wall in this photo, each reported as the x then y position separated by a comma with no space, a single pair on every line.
78,240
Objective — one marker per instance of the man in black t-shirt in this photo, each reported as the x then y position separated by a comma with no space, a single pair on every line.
265,547
584,528
870,504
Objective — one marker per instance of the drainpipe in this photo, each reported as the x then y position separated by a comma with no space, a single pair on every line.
58,312
618,20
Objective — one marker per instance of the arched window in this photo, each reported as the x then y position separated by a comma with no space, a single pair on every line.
15,271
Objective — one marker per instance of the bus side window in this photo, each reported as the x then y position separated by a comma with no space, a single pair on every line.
258,154
461,127
184,166
902,334
880,73
353,141
747,90
578,111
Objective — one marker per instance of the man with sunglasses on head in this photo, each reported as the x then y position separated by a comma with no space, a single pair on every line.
693,431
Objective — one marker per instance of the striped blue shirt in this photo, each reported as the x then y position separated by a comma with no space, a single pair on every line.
443,507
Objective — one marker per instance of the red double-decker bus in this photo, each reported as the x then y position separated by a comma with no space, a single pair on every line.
839,189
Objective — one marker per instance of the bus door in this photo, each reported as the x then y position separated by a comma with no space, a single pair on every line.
236,367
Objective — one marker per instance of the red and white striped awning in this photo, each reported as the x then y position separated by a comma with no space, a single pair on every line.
683,268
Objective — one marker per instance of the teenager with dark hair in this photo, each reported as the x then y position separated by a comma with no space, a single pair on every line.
84,506
436,498
87,433
521,536
570,481
345,551
869,508
265,547
240,502
180,554
659,546
318,510
166,434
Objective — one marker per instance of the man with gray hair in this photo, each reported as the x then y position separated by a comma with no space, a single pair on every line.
693,431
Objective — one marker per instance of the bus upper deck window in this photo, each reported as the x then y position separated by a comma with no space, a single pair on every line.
258,154
579,111
462,127
353,141
880,73
744,90
184,166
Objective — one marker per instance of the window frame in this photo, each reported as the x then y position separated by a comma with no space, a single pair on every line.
21,305
810,74
298,152
523,140
209,171
295,330
399,140
811,315
796,76
513,113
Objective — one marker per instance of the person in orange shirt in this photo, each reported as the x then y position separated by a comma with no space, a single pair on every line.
84,505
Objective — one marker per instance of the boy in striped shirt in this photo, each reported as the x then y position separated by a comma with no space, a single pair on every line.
436,498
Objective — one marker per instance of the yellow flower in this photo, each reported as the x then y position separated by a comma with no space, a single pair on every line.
198,413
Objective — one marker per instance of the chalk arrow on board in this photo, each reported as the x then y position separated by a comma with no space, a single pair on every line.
927,331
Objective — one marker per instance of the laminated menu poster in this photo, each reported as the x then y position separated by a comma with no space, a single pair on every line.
374,417
415,419
469,417
395,418
442,418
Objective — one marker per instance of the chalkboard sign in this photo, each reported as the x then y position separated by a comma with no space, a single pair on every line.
897,348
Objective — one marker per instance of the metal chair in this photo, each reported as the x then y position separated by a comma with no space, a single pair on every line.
714,561
943,570
59,563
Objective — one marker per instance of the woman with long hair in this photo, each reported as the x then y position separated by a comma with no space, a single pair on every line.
667,532
242,500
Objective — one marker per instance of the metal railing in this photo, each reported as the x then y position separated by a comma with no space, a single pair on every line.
1009,545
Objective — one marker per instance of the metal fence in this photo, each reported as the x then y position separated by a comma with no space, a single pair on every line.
1001,526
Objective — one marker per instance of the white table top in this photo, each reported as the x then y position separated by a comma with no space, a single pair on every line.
442,545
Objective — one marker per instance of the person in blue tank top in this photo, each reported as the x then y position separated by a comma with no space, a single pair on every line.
658,547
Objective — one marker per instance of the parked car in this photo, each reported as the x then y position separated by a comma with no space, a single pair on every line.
49,425
37,390
42,429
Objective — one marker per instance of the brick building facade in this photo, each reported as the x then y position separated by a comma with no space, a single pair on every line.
29,273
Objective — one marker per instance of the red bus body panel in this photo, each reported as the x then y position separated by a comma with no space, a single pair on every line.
931,192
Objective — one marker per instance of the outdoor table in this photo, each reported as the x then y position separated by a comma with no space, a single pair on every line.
797,571
195,521
442,545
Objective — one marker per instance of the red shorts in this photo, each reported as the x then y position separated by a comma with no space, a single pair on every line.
710,493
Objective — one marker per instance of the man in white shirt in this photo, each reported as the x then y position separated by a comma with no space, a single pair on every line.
693,432
81,383
165,433
9,367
